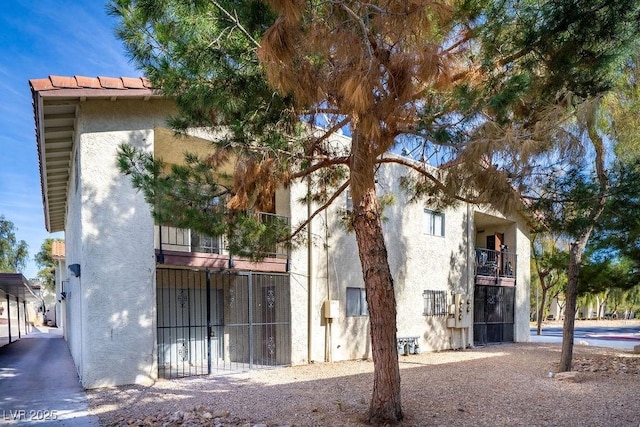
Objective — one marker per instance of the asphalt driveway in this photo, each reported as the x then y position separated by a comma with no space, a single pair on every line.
39,383
622,335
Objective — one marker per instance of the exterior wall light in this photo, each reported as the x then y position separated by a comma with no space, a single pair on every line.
75,269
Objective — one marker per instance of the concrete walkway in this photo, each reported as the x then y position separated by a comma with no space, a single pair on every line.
39,383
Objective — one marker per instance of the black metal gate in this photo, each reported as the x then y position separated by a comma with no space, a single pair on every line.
493,315
219,321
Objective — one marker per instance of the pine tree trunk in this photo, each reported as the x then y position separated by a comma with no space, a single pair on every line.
385,404
571,296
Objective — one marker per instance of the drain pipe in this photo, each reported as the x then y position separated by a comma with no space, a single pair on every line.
328,342
309,275
465,332
469,270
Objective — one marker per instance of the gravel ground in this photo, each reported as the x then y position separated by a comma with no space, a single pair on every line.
502,385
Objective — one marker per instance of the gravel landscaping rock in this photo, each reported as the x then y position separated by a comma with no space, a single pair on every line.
491,386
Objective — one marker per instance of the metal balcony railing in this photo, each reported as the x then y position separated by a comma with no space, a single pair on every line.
496,264
170,238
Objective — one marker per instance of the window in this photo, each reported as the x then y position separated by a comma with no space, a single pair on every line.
435,222
435,303
206,244
357,302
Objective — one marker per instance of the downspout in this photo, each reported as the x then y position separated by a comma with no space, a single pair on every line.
328,342
470,275
309,275
469,259
160,256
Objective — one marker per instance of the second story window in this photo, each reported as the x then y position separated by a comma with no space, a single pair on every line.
434,223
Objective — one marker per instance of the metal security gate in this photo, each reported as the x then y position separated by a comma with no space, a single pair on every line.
219,321
493,316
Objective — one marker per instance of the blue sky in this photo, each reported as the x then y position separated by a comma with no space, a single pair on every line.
39,38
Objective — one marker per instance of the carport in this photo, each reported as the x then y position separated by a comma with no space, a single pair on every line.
15,293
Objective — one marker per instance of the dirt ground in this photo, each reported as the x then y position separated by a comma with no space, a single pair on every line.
501,385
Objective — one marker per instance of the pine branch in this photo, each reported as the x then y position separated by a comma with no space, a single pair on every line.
423,172
337,193
328,133
343,160
237,22
360,23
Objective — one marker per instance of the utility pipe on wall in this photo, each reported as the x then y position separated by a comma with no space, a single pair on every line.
309,276
470,270
328,342
469,248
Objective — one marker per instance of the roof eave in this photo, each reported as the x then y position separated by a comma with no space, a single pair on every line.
37,106
73,90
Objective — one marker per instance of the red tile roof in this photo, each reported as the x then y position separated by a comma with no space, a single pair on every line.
57,97
57,249
81,82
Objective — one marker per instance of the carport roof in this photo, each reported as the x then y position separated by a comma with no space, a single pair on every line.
16,285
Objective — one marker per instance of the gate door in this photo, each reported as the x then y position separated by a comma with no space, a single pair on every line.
493,316
182,323
270,318
219,321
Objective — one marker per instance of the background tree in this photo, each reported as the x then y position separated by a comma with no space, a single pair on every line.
568,178
588,301
615,247
582,201
13,252
602,280
632,299
44,259
601,276
618,234
572,204
487,84
550,264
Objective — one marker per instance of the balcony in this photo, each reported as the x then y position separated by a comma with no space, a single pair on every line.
495,267
184,247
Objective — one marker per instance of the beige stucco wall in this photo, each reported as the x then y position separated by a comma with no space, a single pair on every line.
299,281
73,255
418,262
109,233
523,248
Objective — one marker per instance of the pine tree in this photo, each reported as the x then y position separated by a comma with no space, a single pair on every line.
484,88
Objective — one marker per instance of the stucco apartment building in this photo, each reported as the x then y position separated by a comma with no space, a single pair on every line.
141,300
